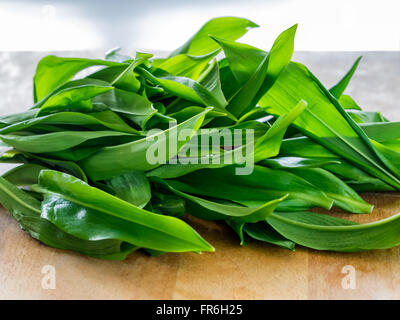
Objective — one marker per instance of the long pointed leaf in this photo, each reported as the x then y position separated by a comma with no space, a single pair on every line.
103,216
230,28
112,161
338,89
26,210
323,232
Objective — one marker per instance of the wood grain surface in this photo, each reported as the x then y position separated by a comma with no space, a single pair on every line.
257,271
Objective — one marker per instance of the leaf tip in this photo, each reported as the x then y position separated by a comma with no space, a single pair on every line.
209,248
252,25
216,39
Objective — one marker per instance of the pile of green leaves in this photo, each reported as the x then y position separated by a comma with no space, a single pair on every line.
84,182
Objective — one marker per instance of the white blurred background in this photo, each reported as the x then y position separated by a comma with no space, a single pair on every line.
30,30
324,25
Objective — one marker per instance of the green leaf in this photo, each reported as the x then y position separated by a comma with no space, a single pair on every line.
168,204
266,146
229,84
383,132
70,167
58,141
74,95
132,106
338,89
212,140
108,74
132,187
185,65
263,184
269,144
263,232
115,56
255,82
390,154
348,102
189,112
230,28
26,210
355,177
243,59
101,216
343,196
212,210
52,71
104,119
297,162
238,228
325,121
323,232
111,161
252,139
17,117
304,147
207,92
211,82
128,80
24,175
366,117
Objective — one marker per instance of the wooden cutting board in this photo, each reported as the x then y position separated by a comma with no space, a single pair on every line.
257,271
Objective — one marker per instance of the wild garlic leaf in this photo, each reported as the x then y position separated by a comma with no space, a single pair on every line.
52,71
103,216
185,65
17,117
366,116
73,95
115,56
168,204
322,232
211,82
207,94
128,80
263,184
338,89
266,146
348,102
130,105
108,74
358,179
104,119
242,58
26,211
132,187
297,162
304,147
189,112
383,132
256,78
325,121
111,161
343,196
263,232
24,175
69,167
211,210
259,140
59,141
230,28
